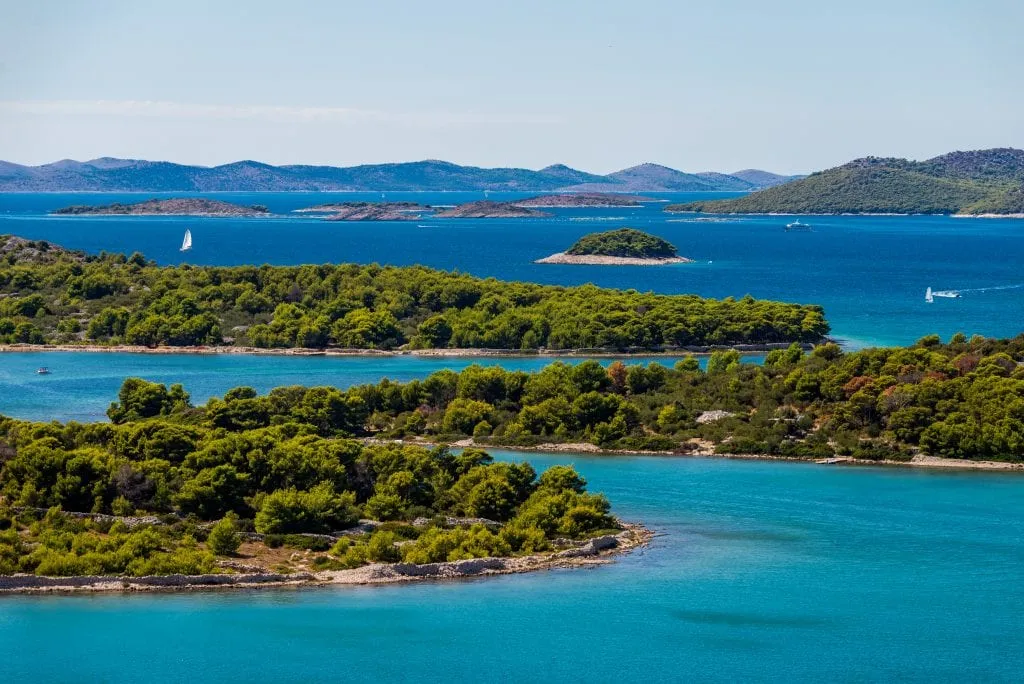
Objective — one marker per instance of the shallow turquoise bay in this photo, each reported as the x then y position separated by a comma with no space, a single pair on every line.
761,571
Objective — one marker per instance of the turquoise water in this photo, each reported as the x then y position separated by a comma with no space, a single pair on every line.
870,273
81,386
761,572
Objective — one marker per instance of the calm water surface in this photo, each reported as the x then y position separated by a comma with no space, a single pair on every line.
761,571
81,386
870,273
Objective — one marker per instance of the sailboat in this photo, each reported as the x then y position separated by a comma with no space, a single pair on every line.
186,244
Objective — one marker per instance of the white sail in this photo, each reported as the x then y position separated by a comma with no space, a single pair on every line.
928,296
186,244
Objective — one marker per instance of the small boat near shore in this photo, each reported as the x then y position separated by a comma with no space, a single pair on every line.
798,225
186,243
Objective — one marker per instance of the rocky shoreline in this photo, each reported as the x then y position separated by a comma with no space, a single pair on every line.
602,260
595,551
706,450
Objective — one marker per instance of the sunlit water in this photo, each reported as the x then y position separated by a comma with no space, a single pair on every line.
760,571
870,273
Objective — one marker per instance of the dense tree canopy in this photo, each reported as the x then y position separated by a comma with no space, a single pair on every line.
113,299
624,242
282,466
964,399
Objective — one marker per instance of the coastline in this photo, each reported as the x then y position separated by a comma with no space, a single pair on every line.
594,551
918,461
464,352
198,214
990,216
602,260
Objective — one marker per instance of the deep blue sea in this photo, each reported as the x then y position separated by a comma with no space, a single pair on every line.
870,273
761,571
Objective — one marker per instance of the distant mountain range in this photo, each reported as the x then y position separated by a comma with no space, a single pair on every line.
967,183
108,174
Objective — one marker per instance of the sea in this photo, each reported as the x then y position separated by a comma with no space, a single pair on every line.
760,570
870,273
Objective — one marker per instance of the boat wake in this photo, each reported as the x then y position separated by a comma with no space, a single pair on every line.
994,288
955,294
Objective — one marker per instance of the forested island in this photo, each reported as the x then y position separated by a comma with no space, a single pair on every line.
175,206
221,487
625,246
48,295
167,488
979,183
960,400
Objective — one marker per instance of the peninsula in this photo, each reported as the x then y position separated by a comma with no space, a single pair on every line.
978,183
490,209
49,296
283,495
622,247
175,206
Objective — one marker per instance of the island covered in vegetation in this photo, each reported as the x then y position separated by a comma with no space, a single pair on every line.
54,296
490,209
979,183
174,206
625,246
171,489
369,211
583,199
961,400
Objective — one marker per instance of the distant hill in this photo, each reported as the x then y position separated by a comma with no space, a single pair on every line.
108,174
763,179
982,181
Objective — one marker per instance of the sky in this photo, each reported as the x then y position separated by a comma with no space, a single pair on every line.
789,85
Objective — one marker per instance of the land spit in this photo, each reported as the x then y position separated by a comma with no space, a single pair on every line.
595,551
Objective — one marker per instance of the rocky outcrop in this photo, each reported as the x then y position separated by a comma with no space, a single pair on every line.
10,583
600,260
588,552
713,416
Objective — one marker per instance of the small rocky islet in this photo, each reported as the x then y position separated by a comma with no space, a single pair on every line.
622,247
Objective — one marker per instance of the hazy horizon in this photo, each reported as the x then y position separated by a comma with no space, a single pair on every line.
790,87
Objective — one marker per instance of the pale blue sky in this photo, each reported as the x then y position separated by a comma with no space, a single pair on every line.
787,85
